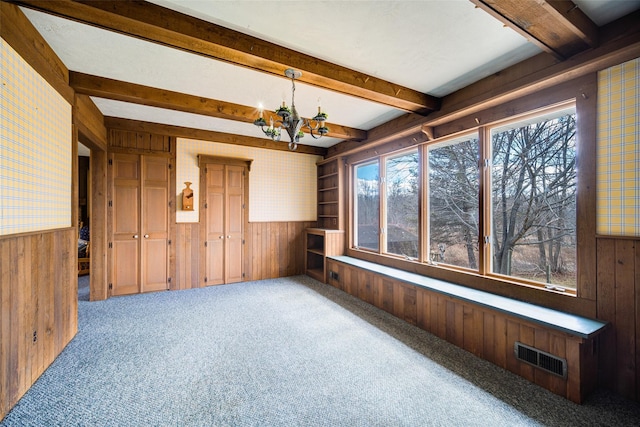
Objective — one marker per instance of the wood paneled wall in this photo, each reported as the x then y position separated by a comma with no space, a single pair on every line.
618,280
140,142
39,304
486,333
272,249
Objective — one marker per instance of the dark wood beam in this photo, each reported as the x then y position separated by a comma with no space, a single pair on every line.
619,42
206,135
558,27
146,95
164,26
90,123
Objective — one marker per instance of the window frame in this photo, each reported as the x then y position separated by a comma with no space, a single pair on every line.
483,133
384,242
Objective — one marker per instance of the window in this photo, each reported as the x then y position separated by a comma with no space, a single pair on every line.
533,199
499,202
367,206
402,209
454,184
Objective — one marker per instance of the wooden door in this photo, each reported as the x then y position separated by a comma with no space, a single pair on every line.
234,221
139,223
125,210
224,212
155,223
215,228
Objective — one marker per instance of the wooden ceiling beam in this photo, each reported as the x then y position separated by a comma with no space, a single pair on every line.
206,135
621,44
164,26
558,27
145,95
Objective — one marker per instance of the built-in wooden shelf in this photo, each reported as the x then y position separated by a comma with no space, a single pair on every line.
319,244
330,194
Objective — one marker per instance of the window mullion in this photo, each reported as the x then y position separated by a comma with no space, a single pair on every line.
423,203
382,190
484,237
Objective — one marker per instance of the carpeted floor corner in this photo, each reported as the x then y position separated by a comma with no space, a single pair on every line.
283,352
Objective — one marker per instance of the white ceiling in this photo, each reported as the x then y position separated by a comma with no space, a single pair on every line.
435,47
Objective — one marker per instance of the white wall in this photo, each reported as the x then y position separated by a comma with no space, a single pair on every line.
282,184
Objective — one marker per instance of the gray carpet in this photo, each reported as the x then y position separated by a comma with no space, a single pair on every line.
286,352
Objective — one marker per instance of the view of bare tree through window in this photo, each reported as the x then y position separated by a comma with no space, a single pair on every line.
523,226
402,174
534,199
367,206
453,202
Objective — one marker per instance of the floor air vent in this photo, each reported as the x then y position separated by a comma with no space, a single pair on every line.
541,359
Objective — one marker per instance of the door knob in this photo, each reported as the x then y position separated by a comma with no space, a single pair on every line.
146,236
228,237
222,237
135,236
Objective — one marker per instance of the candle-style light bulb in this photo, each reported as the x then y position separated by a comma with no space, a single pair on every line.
261,109
319,106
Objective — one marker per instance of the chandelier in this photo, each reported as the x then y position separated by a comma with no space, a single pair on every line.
291,121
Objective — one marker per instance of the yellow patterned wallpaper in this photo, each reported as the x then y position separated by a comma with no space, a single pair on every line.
618,153
282,185
35,150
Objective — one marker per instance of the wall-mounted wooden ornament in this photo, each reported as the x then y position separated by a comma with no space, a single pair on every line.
187,197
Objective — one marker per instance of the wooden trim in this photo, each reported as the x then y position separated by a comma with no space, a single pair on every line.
205,135
172,273
521,107
602,236
559,301
160,25
396,145
484,200
145,95
234,161
423,203
98,225
586,199
90,122
18,31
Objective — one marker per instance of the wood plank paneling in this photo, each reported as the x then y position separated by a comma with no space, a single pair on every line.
473,330
38,297
272,250
187,258
558,347
625,317
480,330
618,287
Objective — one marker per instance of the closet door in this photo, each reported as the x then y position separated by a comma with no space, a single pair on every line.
224,212
155,223
215,217
125,209
139,213
234,221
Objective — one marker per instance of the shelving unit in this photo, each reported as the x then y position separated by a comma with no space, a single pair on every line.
330,194
319,244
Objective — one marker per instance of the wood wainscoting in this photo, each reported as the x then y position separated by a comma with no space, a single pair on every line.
486,332
618,281
272,249
39,307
